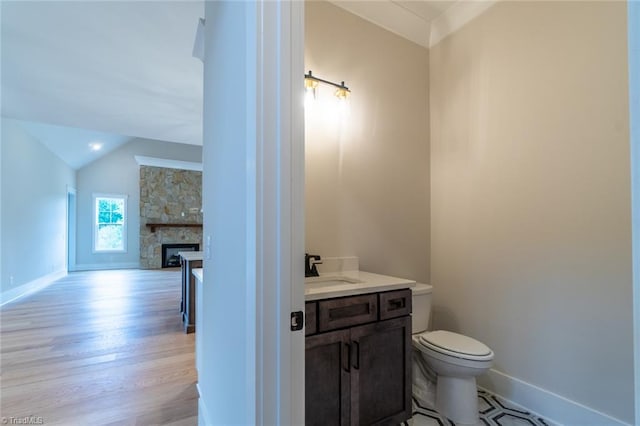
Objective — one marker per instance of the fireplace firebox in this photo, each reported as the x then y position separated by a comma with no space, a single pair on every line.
170,258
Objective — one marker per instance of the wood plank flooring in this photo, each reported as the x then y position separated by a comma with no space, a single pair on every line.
99,348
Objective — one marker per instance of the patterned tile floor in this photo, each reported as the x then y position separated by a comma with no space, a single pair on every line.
493,411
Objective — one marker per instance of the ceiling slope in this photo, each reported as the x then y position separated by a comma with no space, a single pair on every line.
117,67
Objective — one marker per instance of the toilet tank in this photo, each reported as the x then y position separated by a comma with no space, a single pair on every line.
421,307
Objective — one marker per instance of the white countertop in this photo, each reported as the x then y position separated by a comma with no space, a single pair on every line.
197,272
330,285
190,255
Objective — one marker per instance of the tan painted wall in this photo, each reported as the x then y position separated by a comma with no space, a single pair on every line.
530,218
367,176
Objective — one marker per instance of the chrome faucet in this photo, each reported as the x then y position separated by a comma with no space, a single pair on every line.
310,262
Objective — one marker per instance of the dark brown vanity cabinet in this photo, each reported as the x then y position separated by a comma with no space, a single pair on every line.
358,367
327,379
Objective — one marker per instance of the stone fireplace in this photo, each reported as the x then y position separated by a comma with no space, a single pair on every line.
170,211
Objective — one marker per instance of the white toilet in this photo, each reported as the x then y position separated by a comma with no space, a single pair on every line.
455,359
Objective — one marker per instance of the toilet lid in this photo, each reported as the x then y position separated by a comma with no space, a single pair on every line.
456,345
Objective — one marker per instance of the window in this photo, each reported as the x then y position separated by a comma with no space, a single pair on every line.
109,226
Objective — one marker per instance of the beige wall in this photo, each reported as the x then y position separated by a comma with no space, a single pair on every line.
367,175
530,218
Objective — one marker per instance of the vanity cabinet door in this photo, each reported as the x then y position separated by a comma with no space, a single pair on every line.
310,318
381,372
327,379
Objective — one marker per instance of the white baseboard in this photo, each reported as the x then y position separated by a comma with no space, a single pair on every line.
203,413
548,405
30,287
105,266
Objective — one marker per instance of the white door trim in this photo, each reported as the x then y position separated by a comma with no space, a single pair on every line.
253,201
296,103
280,213
633,19
71,224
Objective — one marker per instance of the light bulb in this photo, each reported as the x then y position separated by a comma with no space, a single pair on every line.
310,86
342,93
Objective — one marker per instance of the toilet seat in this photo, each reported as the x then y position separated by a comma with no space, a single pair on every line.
456,345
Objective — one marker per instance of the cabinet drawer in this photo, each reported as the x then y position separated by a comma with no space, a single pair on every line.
310,318
395,303
347,311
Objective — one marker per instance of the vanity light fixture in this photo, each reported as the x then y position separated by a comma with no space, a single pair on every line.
342,92
311,83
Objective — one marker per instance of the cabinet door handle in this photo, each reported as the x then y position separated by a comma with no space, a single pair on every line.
396,304
346,356
356,357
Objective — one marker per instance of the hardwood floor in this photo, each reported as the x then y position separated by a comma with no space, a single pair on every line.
99,348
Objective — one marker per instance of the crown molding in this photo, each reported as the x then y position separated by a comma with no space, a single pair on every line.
398,20
391,17
166,163
455,17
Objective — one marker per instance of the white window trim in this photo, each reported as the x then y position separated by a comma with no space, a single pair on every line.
95,228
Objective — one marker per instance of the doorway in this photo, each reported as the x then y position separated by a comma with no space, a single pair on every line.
633,16
71,229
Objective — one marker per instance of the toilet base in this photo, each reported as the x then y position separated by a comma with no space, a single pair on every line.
457,399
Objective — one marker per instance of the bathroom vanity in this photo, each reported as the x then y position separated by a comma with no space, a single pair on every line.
358,350
357,347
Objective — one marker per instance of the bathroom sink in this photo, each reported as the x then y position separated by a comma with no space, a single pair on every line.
329,280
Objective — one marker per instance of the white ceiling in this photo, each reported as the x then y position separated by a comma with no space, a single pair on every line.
120,69
76,147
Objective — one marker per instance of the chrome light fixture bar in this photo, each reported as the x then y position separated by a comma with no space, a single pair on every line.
311,83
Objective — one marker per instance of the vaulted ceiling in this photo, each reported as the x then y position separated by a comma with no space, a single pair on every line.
122,68
125,69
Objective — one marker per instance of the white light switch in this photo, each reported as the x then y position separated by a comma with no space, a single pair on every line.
207,248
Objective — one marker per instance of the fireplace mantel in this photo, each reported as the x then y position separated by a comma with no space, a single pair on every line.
152,226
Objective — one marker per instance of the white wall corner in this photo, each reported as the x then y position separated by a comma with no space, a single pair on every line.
30,287
198,43
455,17
548,405
203,413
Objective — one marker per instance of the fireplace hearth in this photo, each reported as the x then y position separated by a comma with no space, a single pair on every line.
170,258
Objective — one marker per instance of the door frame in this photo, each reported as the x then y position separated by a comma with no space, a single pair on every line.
253,204
71,224
633,36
